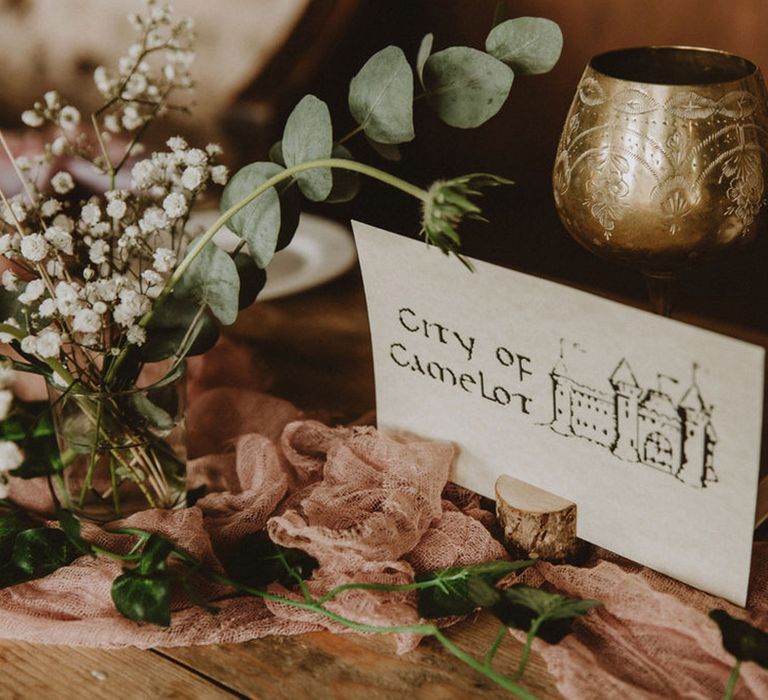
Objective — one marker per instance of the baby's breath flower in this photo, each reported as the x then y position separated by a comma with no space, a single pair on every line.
59,146
48,344
100,308
54,268
112,124
50,207
32,118
7,337
116,209
7,374
154,219
164,259
192,177
34,247
29,344
90,214
195,157
6,243
136,335
98,252
143,173
10,278
69,118
62,182
11,456
47,308
176,143
220,174
151,277
214,149
86,321
59,239
32,292
175,205
6,399
131,118
51,99
23,163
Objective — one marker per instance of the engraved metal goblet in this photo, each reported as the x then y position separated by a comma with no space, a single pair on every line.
662,161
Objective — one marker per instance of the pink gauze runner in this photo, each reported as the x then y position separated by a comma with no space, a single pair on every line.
369,507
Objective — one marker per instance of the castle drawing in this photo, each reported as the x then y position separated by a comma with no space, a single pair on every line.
639,425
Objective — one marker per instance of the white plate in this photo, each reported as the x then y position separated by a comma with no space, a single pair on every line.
320,251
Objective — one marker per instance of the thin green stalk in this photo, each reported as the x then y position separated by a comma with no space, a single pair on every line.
92,457
383,587
500,636
517,675
734,678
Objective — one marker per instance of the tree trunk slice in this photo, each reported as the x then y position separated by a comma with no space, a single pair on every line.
536,524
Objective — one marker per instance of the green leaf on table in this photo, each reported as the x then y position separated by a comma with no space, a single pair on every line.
451,593
70,525
151,412
388,151
425,49
143,598
258,223
36,553
258,561
520,605
381,97
252,279
742,640
346,183
466,87
154,555
175,319
12,523
212,279
308,136
528,45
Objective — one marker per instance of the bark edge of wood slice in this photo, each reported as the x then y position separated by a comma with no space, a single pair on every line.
537,524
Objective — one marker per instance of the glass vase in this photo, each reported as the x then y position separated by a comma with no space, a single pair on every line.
122,451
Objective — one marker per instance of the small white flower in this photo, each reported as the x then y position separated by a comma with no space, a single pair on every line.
47,308
143,173
154,219
6,399
11,456
136,335
50,207
29,344
6,243
31,118
214,149
102,80
51,99
107,289
54,268
69,118
7,337
66,292
112,123
164,259
220,174
59,146
48,344
34,247
176,143
59,239
192,178
19,211
23,163
117,208
90,214
86,321
175,205
7,374
32,292
151,277
10,278
195,157
62,182
131,118
98,252
64,222
100,308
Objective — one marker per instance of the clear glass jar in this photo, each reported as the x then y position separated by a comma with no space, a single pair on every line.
122,451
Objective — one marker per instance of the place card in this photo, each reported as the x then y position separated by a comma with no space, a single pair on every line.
651,426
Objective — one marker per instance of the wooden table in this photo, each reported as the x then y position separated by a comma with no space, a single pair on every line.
317,345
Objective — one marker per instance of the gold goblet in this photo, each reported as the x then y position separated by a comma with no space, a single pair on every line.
662,160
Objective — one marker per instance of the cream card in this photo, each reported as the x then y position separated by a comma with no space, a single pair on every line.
651,426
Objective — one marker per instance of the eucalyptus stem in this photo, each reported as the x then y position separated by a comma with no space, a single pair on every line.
732,681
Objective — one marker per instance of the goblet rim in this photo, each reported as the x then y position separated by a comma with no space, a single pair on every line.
750,69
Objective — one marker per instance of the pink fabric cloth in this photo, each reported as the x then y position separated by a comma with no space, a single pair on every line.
369,507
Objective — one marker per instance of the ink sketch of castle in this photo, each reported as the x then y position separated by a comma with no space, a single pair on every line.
651,426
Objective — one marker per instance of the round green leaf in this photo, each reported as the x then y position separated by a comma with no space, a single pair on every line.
212,279
170,323
466,86
258,222
389,151
529,45
308,136
143,598
425,49
346,183
252,279
381,97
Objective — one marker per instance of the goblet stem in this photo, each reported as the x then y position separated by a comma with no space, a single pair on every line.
660,293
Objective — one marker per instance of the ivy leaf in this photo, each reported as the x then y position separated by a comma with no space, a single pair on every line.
466,87
528,45
143,598
259,222
258,562
252,279
212,279
388,151
154,555
308,136
742,640
36,553
425,49
519,606
381,97
346,183
70,525
12,523
171,323
451,593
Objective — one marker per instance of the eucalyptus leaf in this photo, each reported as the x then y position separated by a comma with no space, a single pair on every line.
425,49
252,279
212,279
742,640
308,136
388,151
276,153
528,45
152,413
258,222
171,323
451,593
466,87
143,598
381,97
346,183
12,523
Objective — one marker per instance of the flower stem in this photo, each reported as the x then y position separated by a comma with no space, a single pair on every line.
500,635
527,648
734,678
